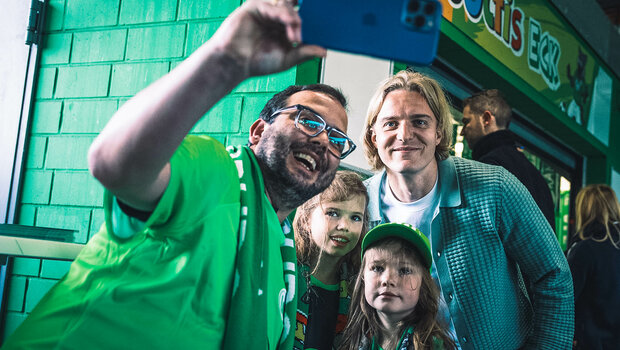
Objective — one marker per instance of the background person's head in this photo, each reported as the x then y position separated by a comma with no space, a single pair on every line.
484,112
598,204
433,95
321,217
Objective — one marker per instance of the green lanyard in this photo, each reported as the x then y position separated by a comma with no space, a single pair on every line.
402,344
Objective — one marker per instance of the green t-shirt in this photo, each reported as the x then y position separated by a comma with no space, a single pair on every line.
169,285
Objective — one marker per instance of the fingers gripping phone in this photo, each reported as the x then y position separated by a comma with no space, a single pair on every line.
399,30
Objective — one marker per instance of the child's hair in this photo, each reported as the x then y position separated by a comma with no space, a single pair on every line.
345,186
364,321
598,204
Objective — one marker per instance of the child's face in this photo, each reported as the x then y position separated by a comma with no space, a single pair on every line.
336,226
391,283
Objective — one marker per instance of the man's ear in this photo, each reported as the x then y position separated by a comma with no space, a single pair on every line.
438,137
373,137
256,131
488,120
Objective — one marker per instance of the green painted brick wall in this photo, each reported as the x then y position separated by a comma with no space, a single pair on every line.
94,57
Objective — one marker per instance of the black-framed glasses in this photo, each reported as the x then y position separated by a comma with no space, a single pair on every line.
312,124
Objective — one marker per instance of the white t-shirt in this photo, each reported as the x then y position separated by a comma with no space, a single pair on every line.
419,213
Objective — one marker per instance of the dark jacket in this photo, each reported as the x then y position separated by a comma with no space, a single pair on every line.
500,148
595,267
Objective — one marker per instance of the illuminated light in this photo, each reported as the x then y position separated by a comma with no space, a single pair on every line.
458,149
564,184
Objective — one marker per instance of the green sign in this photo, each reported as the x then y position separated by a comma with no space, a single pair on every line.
534,42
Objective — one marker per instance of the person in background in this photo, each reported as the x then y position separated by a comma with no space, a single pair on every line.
395,300
328,230
487,234
195,251
486,117
595,264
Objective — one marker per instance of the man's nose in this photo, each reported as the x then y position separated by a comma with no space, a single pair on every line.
404,131
321,138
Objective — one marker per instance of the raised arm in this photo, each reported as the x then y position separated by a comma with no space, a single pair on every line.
131,155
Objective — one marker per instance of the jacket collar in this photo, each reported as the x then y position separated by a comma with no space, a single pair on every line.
449,189
449,186
493,141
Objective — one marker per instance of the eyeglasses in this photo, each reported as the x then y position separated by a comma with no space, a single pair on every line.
312,124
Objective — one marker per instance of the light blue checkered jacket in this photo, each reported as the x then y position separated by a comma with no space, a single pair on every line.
488,242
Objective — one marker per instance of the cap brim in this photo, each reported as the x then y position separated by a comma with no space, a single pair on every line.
403,231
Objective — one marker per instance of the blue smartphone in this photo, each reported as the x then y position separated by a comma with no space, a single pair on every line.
399,30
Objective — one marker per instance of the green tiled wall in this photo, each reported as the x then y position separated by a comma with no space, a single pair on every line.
95,56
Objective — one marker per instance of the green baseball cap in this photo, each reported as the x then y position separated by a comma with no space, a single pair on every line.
404,231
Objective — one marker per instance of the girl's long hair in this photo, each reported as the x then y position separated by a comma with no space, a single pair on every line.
598,204
364,321
345,186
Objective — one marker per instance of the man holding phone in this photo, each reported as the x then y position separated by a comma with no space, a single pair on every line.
194,252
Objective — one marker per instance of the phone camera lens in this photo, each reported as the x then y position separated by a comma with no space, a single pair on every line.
430,8
414,6
420,21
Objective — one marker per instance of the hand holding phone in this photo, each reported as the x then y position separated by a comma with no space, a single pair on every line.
399,30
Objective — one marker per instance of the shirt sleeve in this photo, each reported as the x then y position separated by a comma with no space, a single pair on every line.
529,240
203,177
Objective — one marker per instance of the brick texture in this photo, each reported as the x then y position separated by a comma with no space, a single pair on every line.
46,117
147,11
90,116
54,268
198,9
45,83
57,48
70,218
90,13
36,153
99,46
224,117
26,266
68,152
82,81
37,186
36,290
129,79
76,188
17,292
156,42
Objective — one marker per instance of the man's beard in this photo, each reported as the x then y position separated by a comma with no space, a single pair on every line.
286,189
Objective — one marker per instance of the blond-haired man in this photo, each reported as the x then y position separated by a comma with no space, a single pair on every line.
503,276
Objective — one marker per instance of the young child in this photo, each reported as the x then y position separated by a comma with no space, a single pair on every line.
395,300
327,229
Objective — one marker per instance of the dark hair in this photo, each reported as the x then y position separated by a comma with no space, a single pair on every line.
345,186
363,319
493,101
278,100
